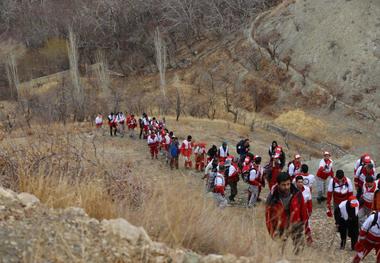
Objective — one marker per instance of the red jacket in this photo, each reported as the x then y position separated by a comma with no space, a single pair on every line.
277,219
339,192
322,173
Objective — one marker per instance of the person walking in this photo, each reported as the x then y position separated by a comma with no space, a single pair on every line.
325,171
347,221
174,152
286,212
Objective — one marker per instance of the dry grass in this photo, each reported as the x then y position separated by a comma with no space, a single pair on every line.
67,169
302,124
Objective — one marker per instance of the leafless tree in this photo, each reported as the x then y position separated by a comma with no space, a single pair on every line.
78,91
12,75
102,71
160,48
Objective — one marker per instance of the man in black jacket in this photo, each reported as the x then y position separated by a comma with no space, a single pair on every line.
347,221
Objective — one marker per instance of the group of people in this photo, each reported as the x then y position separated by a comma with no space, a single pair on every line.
355,207
117,123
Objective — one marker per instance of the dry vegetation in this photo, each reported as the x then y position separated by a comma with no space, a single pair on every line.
74,166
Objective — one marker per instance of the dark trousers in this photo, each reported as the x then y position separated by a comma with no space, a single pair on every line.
174,162
349,228
113,130
141,132
233,187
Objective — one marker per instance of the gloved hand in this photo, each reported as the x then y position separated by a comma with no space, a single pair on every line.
329,212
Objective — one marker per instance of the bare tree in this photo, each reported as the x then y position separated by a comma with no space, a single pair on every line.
178,105
12,75
102,71
78,91
161,65
229,107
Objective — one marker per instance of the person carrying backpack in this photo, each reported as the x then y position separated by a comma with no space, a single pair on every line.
254,182
242,148
366,199
294,166
174,152
339,189
325,171
212,153
232,178
362,172
369,238
219,187
211,171
347,221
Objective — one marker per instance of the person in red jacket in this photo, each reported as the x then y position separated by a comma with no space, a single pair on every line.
369,238
254,181
306,193
294,167
325,171
219,187
132,124
362,172
200,156
366,199
153,144
186,151
286,212
340,189
272,171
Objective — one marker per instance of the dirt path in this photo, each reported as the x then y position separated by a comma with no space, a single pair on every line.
325,237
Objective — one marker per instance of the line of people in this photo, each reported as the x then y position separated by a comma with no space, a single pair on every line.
117,122
289,203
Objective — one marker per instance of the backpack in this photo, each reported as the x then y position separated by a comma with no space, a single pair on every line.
289,163
239,147
333,184
374,222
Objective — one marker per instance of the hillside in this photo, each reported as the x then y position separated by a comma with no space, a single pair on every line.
185,218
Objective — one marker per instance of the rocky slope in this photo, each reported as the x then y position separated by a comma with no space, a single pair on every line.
31,232
335,43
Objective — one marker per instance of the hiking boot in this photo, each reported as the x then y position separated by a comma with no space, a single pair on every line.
342,244
258,199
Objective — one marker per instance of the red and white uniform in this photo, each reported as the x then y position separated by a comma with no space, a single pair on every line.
306,193
166,142
120,118
223,153
294,168
186,151
132,123
219,184
368,194
308,180
145,122
339,191
325,169
186,148
307,196
99,121
200,154
359,162
153,144
361,174
112,122
233,173
255,176
369,238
